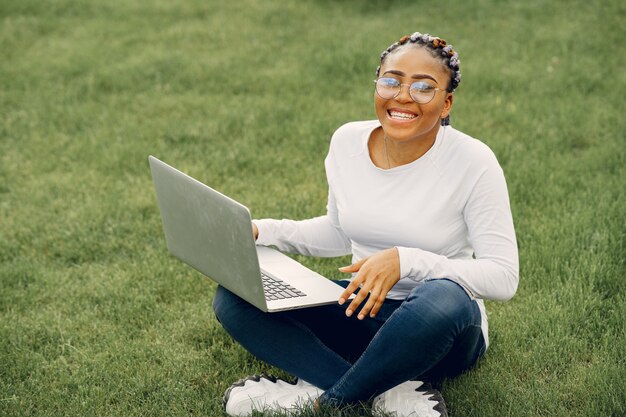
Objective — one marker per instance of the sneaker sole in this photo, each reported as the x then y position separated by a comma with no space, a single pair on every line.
434,395
242,382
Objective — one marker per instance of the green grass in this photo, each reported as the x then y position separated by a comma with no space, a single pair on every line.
96,319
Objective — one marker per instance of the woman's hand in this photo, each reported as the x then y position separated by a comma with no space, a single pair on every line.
255,231
376,275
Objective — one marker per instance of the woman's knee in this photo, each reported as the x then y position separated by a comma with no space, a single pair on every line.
443,299
224,303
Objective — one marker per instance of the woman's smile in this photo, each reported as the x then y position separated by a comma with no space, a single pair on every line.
401,115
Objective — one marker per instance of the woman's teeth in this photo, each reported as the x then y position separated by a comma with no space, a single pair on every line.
401,115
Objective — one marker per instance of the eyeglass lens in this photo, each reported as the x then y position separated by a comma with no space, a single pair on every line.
420,91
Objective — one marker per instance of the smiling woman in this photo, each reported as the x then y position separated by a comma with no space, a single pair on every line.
424,211
430,68
411,117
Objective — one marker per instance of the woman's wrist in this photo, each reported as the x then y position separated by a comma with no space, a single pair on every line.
255,231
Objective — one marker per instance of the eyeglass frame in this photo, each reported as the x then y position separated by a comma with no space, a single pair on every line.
436,90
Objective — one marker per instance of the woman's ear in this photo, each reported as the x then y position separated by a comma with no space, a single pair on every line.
447,105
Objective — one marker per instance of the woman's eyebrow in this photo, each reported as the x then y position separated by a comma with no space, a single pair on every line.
414,76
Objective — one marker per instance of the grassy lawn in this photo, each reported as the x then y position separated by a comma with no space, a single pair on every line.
96,319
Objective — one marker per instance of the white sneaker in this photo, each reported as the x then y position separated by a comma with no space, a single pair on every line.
411,399
266,393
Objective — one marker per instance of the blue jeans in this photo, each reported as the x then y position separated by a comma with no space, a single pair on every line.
434,333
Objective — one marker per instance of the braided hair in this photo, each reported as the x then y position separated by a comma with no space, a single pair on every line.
439,49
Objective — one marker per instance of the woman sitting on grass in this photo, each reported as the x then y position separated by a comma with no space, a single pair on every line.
423,208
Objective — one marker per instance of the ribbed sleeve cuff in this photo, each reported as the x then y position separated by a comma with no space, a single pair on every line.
266,231
416,264
406,260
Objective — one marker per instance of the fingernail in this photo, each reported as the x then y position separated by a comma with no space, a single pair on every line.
361,316
341,301
348,313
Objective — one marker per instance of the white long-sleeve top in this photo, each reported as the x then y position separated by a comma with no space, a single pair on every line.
447,212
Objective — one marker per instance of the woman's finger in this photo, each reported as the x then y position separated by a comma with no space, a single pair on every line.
354,267
350,268
356,302
363,293
378,304
371,301
355,283
350,289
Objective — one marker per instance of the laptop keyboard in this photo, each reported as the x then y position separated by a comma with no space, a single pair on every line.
278,290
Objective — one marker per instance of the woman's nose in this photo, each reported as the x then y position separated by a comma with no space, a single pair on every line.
404,96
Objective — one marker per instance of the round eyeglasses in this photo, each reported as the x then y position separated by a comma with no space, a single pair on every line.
420,91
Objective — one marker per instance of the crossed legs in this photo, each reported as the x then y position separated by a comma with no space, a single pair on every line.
434,332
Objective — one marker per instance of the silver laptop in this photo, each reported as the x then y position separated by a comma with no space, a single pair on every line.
213,233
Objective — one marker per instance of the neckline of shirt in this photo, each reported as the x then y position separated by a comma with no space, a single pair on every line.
426,157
